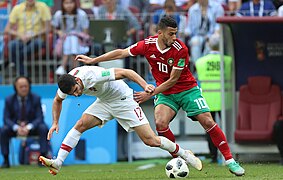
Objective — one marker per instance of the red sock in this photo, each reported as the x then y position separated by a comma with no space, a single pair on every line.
169,135
66,147
219,140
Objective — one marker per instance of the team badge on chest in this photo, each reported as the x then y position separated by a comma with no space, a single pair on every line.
170,61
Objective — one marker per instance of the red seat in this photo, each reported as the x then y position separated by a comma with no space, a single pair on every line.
259,107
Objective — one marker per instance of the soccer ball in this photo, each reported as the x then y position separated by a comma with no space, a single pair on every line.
177,168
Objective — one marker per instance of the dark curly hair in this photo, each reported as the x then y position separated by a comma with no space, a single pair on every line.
167,21
66,82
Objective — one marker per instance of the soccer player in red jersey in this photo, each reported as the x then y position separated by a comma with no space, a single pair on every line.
176,86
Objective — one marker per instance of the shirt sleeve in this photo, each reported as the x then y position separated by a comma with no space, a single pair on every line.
137,48
56,19
106,75
61,94
84,19
45,11
182,59
14,15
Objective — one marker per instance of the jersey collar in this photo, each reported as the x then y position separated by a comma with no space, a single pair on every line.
161,51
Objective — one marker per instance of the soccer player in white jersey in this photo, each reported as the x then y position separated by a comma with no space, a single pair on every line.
111,93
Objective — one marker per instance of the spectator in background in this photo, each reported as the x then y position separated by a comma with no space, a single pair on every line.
201,25
159,3
257,8
169,9
143,6
111,11
29,22
22,117
233,6
71,25
209,76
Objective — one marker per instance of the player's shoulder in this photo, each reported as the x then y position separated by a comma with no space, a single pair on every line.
179,45
150,40
84,70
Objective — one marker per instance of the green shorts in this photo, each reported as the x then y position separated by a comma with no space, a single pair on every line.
190,101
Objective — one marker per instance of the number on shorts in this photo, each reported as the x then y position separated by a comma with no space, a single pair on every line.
201,103
138,112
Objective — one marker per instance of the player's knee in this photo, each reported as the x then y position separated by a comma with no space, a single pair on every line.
206,120
161,124
80,126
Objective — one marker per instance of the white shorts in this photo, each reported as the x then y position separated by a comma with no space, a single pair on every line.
126,111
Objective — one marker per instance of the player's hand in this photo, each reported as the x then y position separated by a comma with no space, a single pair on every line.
53,128
149,88
83,58
141,97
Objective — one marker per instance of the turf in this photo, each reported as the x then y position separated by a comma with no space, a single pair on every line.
146,169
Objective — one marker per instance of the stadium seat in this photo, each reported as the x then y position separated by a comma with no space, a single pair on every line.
259,107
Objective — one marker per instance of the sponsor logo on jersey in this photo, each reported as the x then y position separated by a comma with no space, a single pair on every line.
152,56
105,73
181,62
170,61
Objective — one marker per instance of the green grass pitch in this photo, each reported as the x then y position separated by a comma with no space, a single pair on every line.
142,169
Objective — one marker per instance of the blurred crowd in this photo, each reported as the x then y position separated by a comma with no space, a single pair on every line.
44,29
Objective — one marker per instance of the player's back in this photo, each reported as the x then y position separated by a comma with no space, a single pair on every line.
101,83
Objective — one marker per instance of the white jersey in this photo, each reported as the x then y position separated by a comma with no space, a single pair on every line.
100,82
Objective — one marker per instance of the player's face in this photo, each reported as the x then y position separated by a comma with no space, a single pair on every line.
77,89
169,36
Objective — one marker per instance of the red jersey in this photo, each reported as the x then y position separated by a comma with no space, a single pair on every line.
162,62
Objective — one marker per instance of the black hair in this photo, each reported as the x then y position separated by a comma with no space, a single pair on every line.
20,77
167,21
66,82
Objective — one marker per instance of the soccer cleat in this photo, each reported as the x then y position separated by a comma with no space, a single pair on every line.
235,168
193,160
50,164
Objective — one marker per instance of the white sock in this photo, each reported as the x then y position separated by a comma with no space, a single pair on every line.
229,161
71,140
170,146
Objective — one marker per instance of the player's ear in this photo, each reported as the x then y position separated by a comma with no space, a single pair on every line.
159,32
78,80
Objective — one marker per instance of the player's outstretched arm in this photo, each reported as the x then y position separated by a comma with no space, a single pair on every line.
121,73
56,111
111,55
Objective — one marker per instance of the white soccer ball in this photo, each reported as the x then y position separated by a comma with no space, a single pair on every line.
177,168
